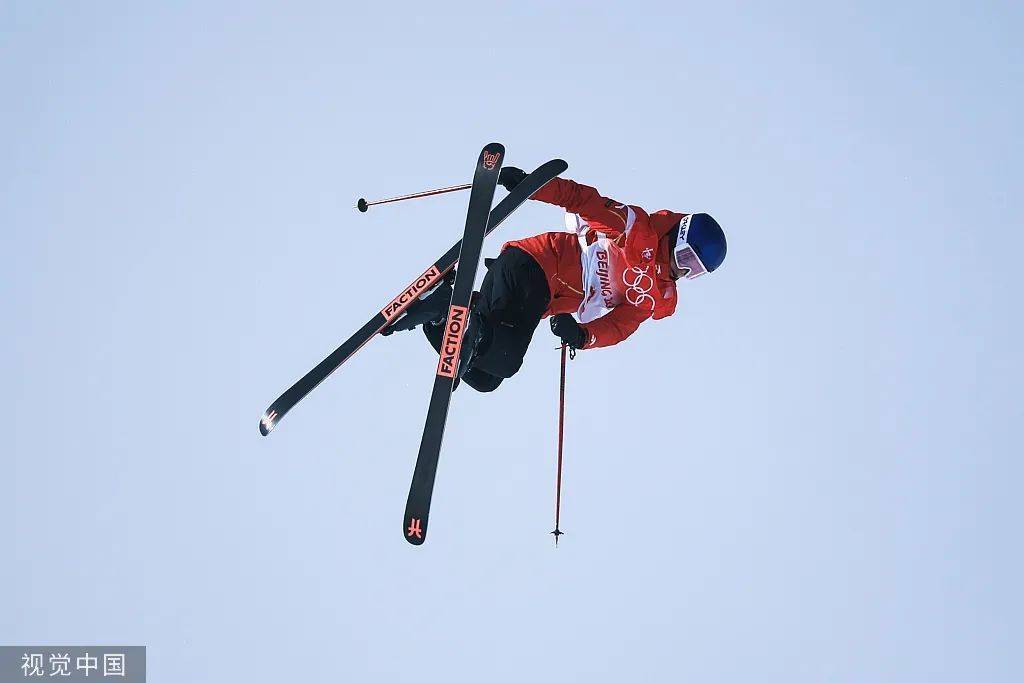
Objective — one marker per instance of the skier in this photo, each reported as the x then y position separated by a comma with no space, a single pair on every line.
616,268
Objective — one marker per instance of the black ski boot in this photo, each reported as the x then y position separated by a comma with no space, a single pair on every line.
431,308
475,341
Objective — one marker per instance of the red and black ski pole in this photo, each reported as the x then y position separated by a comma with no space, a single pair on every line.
364,205
561,431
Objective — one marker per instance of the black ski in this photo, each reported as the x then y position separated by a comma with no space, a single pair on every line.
417,508
426,281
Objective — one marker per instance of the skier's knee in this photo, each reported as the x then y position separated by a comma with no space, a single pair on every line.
481,381
500,363
510,366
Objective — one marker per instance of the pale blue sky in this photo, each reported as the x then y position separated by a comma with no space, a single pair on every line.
810,473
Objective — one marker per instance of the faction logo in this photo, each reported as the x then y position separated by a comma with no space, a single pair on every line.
402,301
452,343
491,160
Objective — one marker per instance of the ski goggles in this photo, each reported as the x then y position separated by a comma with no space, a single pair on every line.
686,261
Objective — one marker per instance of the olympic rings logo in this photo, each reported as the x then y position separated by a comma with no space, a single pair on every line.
639,290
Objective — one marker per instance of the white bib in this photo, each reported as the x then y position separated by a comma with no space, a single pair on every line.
603,263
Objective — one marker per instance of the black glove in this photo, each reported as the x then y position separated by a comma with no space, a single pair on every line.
511,176
568,330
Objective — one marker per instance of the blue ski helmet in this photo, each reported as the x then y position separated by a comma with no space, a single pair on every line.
701,233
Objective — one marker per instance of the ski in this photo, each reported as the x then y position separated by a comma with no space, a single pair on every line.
417,508
396,307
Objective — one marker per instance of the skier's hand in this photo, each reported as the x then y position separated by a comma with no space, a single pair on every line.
568,330
511,176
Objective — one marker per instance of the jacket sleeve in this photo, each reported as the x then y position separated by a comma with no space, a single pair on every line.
618,324
584,200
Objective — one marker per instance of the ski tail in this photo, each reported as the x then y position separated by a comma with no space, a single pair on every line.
485,180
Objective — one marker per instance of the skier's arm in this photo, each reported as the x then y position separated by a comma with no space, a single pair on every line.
586,201
618,324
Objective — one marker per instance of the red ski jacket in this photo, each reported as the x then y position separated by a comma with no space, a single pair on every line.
632,270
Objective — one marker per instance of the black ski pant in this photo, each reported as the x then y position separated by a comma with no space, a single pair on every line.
513,298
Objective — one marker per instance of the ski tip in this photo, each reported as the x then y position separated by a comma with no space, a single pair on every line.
557,166
362,205
268,422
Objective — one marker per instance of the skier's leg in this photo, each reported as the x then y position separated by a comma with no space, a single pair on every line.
477,379
480,380
512,301
433,328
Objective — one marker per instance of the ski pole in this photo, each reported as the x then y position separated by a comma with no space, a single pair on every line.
364,205
561,430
